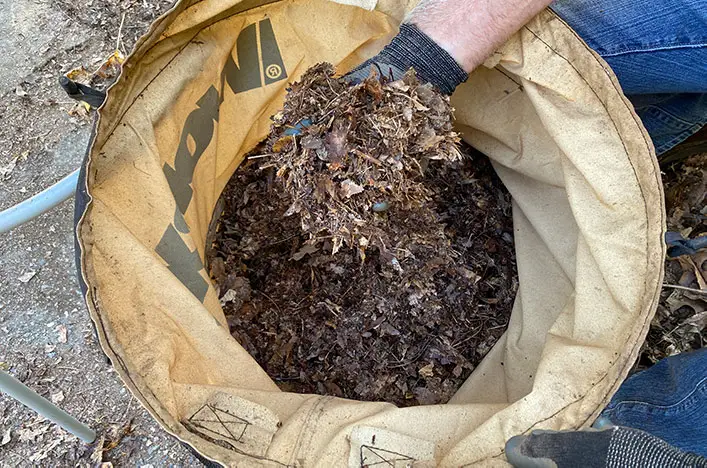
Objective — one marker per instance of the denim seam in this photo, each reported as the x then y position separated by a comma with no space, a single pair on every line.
654,49
679,138
698,388
667,117
661,114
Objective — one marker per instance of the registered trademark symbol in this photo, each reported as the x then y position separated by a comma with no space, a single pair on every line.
273,71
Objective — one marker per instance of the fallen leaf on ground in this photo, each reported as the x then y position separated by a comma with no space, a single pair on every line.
6,437
25,277
698,322
21,92
117,433
45,451
111,67
63,333
57,397
427,371
7,169
690,263
30,434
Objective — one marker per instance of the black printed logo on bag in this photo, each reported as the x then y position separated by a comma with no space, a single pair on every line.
259,59
259,64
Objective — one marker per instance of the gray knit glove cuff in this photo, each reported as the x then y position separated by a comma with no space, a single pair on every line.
617,447
413,48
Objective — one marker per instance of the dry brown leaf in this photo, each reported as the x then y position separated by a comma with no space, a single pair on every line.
57,397
699,275
698,321
335,141
111,67
63,333
27,276
283,144
6,437
305,250
350,188
427,371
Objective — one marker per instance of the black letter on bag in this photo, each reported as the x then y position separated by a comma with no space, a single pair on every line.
182,262
185,264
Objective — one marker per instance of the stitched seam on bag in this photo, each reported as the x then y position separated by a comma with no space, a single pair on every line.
643,135
306,425
635,119
635,173
654,49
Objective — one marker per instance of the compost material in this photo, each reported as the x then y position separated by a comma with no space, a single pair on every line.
680,324
360,253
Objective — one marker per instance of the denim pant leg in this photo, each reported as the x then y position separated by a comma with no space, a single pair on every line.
658,50
669,400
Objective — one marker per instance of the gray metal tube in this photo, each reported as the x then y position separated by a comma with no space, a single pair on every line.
38,204
23,394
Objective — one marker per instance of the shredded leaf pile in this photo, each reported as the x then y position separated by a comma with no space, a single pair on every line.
360,152
361,252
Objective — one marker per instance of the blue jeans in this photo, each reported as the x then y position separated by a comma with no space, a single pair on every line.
658,50
669,400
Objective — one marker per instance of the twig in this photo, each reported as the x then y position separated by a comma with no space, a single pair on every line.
367,157
683,288
120,32
281,241
259,156
40,136
130,402
271,300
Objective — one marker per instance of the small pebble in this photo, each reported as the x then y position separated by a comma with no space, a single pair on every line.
381,207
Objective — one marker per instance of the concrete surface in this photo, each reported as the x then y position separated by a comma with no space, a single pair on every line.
46,338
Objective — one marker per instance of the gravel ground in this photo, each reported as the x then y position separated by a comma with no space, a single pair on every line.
47,340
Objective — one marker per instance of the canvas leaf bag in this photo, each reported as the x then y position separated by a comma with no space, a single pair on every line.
197,94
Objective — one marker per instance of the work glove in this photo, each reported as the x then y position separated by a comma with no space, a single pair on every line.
616,447
413,48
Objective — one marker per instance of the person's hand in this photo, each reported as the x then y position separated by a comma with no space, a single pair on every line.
619,447
412,48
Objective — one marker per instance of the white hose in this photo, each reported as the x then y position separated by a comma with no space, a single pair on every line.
40,203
